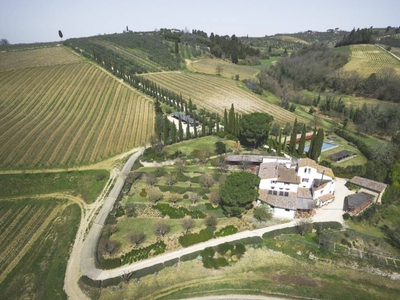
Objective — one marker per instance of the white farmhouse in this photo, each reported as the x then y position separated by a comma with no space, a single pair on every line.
295,185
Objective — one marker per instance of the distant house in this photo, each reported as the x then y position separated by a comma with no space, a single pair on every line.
356,203
184,118
369,186
293,186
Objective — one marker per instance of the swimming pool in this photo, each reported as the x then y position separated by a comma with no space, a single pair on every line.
325,146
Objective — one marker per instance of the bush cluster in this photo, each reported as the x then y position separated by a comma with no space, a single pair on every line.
195,238
178,213
227,230
143,253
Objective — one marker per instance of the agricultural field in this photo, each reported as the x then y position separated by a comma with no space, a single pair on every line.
229,70
216,94
36,237
68,114
38,57
368,59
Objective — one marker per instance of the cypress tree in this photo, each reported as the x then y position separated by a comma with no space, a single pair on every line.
232,120
187,131
217,123
194,128
173,132
225,120
317,145
186,107
203,126
180,130
292,145
279,142
210,125
165,130
190,106
312,142
302,142
284,144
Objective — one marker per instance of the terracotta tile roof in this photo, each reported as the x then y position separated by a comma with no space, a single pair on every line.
318,186
291,201
287,175
328,171
307,162
304,193
326,197
268,170
369,184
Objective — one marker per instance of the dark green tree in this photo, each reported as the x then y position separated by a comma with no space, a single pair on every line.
190,106
220,147
210,125
232,120
187,131
312,142
180,130
194,128
166,130
217,121
293,136
203,126
238,192
225,120
317,145
173,132
255,128
302,142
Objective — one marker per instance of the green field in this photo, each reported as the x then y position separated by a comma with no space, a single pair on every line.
229,70
84,184
40,233
66,114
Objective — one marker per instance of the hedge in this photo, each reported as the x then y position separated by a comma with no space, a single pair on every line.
227,230
195,238
111,282
327,225
190,256
111,263
143,253
171,262
250,240
287,230
178,213
92,283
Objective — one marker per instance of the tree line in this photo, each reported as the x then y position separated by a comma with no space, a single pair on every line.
359,36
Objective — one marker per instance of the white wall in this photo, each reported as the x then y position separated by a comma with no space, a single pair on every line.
281,213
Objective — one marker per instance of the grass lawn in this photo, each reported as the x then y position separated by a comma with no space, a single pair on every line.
266,62
85,184
40,273
187,147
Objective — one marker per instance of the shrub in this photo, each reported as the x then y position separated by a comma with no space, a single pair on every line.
90,282
189,256
195,238
148,271
142,253
227,230
346,216
327,225
223,248
143,193
178,213
111,282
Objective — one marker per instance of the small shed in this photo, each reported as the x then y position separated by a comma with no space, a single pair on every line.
354,204
371,186
338,156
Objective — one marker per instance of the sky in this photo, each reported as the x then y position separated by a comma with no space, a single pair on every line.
29,21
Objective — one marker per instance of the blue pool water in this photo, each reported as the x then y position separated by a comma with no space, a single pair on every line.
325,146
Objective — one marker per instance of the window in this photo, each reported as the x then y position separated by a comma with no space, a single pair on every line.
275,193
273,181
269,192
305,170
309,170
287,209
286,194
280,193
286,183
304,180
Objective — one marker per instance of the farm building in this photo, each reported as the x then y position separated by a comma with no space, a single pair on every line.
183,117
370,186
293,186
251,162
338,156
354,204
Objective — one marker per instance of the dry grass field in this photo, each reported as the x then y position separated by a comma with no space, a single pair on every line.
229,70
368,59
67,114
215,94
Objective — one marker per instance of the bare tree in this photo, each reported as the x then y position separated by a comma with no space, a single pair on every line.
132,176
304,225
219,69
170,179
137,237
155,194
203,155
151,179
161,228
206,180
110,246
179,165
215,198
109,230
211,220
187,223
174,198
193,197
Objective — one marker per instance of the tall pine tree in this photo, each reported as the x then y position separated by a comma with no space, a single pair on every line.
232,121
317,145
